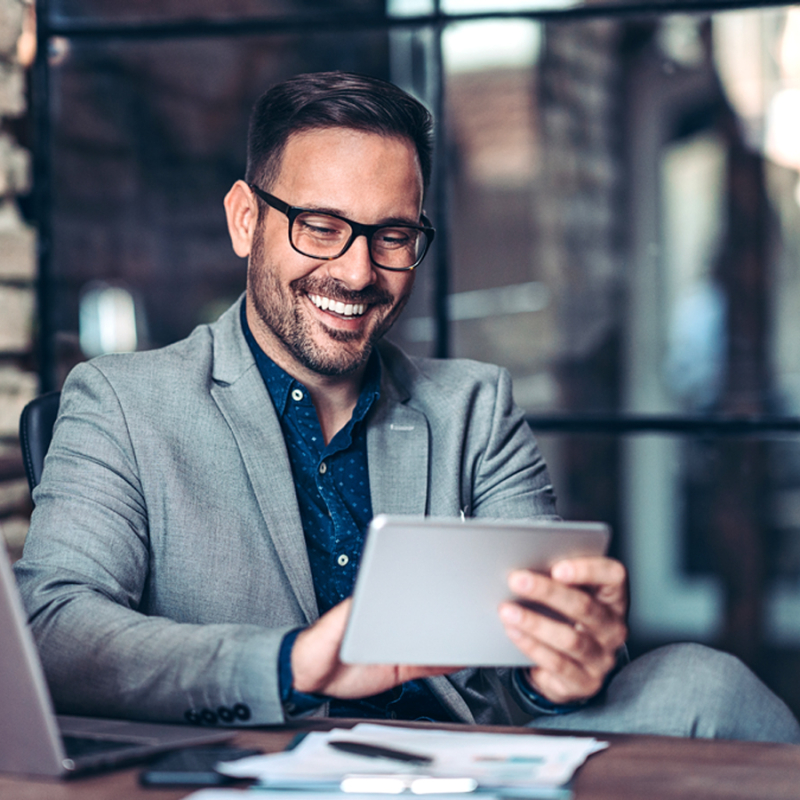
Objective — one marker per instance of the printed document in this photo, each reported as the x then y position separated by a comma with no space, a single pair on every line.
424,761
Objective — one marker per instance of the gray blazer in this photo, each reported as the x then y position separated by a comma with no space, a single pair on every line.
166,559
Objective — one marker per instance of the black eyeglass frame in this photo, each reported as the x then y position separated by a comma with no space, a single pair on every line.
357,228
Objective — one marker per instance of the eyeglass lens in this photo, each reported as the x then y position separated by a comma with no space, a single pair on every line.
322,236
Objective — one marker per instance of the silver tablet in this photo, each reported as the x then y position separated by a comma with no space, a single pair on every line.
428,590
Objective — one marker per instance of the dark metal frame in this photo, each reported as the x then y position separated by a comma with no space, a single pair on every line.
49,27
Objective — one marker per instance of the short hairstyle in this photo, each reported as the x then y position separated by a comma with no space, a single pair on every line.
332,100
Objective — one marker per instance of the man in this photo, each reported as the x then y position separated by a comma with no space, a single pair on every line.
201,515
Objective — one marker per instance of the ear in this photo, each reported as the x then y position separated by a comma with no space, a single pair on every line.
242,215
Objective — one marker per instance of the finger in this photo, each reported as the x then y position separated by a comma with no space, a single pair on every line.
606,577
573,603
605,623
576,642
573,640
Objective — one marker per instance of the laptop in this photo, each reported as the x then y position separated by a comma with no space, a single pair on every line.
428,590
34,741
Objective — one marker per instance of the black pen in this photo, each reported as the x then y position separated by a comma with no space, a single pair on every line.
376,751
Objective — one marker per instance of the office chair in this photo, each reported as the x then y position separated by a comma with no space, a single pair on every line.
35,431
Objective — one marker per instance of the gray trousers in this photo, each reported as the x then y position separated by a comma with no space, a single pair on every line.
685,690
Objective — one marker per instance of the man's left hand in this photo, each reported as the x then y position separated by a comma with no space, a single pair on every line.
572,656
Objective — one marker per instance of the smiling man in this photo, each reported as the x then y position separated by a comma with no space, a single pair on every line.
202,511
320,294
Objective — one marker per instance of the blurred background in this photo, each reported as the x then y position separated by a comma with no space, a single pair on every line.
617,203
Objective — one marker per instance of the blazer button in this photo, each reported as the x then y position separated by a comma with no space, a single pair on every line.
242,711
192,716
208,717
225,714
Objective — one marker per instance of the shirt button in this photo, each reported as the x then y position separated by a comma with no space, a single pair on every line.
342,560
297,395
323,468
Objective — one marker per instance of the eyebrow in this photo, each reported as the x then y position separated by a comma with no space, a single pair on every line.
389,221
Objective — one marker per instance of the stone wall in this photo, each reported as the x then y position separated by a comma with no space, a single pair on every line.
18,382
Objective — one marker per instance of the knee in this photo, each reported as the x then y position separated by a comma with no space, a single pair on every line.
709,694
697,669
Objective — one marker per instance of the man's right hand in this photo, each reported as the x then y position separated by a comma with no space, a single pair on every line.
317,669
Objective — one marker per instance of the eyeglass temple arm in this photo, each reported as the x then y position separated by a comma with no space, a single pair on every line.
271,200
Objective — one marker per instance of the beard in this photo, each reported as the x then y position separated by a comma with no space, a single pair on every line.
281,311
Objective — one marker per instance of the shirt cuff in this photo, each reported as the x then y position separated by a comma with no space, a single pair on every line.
293,702
545,706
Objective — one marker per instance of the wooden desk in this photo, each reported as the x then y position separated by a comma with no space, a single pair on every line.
635,767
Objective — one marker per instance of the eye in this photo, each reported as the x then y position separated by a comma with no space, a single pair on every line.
392,238
320,226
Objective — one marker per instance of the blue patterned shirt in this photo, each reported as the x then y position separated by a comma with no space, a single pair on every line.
333,495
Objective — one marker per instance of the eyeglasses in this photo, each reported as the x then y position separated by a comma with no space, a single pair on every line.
399,247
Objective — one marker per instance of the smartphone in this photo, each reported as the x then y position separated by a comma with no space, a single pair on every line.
192,766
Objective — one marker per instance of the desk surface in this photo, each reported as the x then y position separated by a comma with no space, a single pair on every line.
640,767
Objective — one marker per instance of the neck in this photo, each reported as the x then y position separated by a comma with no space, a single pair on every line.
334,404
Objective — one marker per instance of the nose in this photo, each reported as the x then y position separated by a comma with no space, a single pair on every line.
354,267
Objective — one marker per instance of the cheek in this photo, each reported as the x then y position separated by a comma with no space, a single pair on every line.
277,262
400,284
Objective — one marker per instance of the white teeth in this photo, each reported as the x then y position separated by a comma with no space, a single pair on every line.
347,310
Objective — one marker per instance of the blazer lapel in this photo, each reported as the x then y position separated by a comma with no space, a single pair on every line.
245,403
397,452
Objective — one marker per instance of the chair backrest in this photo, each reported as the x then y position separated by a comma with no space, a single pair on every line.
35,431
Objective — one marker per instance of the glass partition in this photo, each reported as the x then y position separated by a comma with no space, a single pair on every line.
624,211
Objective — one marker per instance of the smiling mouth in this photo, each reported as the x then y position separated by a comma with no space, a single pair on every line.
337,306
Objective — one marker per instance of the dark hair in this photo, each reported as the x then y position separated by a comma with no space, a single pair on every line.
332,100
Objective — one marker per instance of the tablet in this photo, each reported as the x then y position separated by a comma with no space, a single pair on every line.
428,590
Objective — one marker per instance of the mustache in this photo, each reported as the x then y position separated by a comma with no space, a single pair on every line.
328,287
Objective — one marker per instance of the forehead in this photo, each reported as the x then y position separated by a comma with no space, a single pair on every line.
344,166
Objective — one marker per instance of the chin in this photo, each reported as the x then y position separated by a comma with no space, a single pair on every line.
326,363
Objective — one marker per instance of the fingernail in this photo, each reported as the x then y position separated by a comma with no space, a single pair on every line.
511,613
563,571
520,581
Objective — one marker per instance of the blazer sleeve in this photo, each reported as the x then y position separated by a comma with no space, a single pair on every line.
508,475
84,574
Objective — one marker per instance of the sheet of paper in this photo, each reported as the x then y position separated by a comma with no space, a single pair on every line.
492,760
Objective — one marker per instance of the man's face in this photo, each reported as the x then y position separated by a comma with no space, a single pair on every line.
297,299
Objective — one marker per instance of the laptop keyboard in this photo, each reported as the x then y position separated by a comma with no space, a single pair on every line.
76,746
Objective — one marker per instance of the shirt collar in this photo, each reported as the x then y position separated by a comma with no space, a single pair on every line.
279,383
